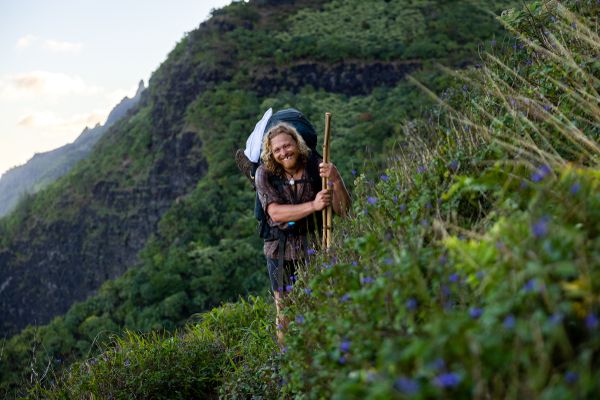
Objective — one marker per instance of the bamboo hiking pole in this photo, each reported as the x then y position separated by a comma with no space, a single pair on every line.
327,211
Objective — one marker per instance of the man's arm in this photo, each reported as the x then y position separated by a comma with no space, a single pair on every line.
340,199
294,212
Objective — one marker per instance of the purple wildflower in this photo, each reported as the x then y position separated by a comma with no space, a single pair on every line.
447,380
411,304
372,200
591,321
523,185
354,263
547,107
475,312
443,259
384,177
530,286
575,188
446,291
311,252
300,319
402,207
293,278
395,199
540,227
127,363
289,288
571,377
438,364
367,279
407,386
345,346
453,165
574,25
556,318
421,169
424,223
388,261
453,278
308,291
540,173
345,298
342,360
353,172
509,322
279,327
479,275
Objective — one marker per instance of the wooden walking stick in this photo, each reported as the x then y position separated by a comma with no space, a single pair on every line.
327,211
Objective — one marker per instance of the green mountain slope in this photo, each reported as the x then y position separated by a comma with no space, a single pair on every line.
200,105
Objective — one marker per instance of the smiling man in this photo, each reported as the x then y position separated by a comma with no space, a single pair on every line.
288,186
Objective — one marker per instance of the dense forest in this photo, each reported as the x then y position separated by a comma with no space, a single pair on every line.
468,267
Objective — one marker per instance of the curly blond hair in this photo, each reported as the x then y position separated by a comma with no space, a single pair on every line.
267,152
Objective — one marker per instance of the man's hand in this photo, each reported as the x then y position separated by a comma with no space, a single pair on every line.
329,171
322,200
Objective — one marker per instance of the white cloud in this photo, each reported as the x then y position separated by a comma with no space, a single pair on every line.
53,45
62,46
44,83
25,41
52,124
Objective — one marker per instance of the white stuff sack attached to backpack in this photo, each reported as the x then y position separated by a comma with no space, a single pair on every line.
254,142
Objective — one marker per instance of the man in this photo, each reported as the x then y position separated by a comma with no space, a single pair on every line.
289,191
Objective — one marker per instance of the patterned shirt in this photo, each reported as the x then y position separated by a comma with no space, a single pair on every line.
297,193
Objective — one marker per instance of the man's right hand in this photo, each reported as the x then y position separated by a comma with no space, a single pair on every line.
322,200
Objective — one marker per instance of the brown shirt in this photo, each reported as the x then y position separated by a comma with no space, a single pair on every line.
291,194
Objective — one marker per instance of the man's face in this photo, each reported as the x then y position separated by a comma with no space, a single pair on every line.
285,151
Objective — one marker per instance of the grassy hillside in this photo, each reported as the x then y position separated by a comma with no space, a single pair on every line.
469,268
200,105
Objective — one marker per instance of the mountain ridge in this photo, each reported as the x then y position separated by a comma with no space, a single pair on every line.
46,167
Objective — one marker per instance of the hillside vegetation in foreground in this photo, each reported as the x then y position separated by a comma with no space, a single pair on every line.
469,269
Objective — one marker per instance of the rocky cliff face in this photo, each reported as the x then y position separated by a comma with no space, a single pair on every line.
351,78
48,266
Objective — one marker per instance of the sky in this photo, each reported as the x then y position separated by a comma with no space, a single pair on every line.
64,64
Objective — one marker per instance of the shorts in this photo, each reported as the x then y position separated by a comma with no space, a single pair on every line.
289,274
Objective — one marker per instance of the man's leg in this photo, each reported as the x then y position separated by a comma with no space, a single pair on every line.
281,321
